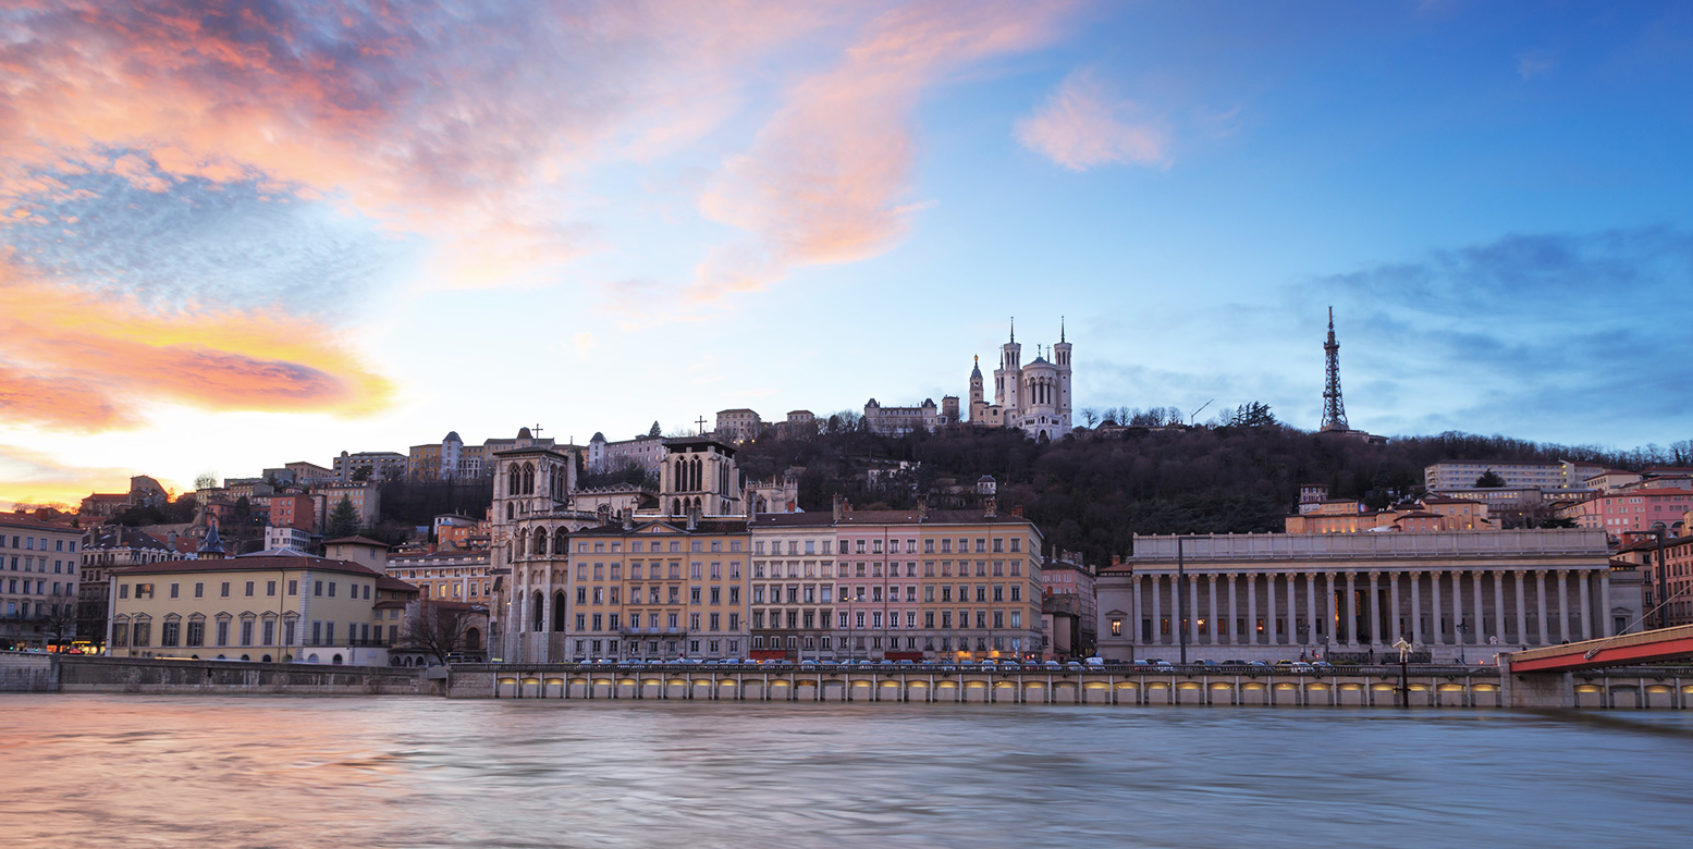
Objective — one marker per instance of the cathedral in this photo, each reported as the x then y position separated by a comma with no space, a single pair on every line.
1033,398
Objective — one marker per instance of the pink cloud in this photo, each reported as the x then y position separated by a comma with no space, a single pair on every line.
1084,124
825,180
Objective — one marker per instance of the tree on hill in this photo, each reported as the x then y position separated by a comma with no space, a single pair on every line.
343,520
1489,480
654,430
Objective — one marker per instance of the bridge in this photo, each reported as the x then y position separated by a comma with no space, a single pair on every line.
1640,648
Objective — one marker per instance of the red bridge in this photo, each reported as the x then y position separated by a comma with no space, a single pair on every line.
1642,648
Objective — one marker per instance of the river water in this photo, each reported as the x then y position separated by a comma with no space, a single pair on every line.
137,771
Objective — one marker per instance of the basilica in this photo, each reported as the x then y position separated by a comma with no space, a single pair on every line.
1034,398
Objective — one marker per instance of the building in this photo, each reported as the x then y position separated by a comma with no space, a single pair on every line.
899,421
738,425
799,424
104,548
38,582
459,576
1667,590
1631,510
143,492
1454,595
1433,513
1034,398
295,510
370,466
642,452
309,474
1068,608
791,595
780,494
260,607
698,477
366,499
1462,474
293,539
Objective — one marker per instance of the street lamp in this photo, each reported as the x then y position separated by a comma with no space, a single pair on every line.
1303,629
1462,630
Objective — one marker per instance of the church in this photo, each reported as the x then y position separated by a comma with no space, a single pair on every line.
1033,398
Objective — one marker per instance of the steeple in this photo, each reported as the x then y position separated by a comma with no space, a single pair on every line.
1061,328
211,548
1334,409
976,369
1014,329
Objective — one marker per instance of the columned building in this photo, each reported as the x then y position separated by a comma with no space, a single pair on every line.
1453,595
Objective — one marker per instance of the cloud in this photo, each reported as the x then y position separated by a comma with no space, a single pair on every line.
1534,63
1084,124
70,358
30,477
825,179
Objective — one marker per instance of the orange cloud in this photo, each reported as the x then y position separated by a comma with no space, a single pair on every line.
825,178
69,358
30,477
1083,124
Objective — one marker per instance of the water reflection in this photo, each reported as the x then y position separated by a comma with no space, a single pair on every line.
155,771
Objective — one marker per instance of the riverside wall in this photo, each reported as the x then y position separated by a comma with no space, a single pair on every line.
174,677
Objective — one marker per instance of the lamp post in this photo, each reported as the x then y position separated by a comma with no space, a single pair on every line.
1462,630
1303,629
1404,674
1181,593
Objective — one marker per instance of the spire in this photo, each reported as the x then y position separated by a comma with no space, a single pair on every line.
1014,329
1061,329
212,547
1334,409
976,369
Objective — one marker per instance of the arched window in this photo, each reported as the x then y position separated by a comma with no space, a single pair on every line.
558,610
510,513
539,617
540,541
528,478
675,506
561,541
513,478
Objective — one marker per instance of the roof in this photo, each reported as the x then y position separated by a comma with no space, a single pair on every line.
33,525
453,436
254,563
393,584
793,520
356,540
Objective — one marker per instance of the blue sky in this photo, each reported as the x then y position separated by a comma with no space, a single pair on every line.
228,241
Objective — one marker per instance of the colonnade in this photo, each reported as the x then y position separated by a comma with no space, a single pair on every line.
1508,608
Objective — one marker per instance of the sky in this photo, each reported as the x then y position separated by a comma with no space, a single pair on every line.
232,238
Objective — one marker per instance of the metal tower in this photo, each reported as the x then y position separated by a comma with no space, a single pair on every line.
1334,409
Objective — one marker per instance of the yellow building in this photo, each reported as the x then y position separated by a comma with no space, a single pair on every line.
261,607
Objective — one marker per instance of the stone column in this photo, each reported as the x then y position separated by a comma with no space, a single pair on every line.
1562,578
1137,612
1157,611
1252,608
1522,610
1435,621
1233,598
1375,610
1193,610
1270,607
1457,607
1480,637
1398,632
1352,608
1311,603
1416,608
1605,628
1293,609
1499,605
1211,586
1540,598
1586,606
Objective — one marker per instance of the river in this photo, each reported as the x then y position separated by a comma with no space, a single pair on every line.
137,771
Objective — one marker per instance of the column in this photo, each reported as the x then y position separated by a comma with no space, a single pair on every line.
1193,610
1375,610
1522,610
1157,611
1605,602
1293,610
1270,607
1232,597
1586,607
1352,608
1562,577
1480,637
1416,608
1457,607
1311,603
1439,637
1137,612
1397,632
1211,586
1540,606
1252,608
1499,606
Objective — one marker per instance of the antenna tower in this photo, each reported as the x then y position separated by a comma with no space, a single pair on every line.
1334,409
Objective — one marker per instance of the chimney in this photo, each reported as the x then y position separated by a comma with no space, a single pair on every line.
628,519
693,519
990,507
840,506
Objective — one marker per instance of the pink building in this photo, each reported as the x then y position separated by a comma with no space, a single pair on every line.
878,613
1633,510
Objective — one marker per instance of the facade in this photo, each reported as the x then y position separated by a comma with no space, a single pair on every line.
260,607
1667,590
1434,513
285,537
444,460
737,425
38,582
459,576
642,452
899,421
1631,510
104,548
309,474
1454,595
1033,398
791,594
698,477
370,465
1068,606
366,499
799,423
294,510
1462,474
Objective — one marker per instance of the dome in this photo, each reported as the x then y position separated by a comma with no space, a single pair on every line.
453,436
523,433
598,437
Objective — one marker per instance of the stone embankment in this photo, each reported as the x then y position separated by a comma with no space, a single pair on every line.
32,672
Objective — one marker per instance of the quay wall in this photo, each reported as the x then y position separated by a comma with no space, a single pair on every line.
175,677
1461,687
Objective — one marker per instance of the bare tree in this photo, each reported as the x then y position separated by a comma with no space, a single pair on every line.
1090,415
440,629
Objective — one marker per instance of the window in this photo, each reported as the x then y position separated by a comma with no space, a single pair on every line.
250,588
225,589
171,634
173,590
